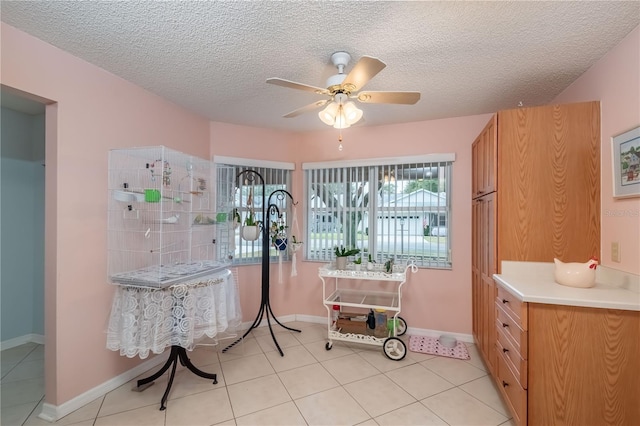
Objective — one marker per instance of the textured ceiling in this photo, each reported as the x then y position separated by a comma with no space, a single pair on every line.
213,57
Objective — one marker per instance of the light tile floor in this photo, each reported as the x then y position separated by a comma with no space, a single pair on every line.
350,384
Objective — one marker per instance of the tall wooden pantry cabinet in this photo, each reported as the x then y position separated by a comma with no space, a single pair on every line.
535,196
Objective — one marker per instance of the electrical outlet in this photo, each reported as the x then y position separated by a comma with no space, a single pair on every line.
615,251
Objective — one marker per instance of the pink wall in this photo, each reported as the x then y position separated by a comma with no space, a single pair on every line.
615,81
433,299
96,111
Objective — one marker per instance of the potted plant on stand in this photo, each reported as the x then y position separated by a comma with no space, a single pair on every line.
251,228
342,253
295,246
278,233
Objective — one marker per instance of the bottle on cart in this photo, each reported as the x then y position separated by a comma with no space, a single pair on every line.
371,322
335,313
381,323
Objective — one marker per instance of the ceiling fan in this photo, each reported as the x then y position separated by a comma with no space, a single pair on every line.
341,87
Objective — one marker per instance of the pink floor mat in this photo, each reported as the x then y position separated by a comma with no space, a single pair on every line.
431,346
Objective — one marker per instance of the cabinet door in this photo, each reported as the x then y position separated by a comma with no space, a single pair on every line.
476,281
489,171
484,153
488,268
477,166
549,178
583,366
483,268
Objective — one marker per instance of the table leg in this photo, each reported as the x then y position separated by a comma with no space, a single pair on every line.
178,353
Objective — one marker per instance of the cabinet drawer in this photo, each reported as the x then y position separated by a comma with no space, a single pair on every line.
514,307
506,349
512,330
515,395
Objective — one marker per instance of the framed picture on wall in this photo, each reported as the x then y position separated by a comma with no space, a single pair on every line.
626,164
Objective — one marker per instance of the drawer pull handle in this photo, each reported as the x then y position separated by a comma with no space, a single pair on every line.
505,301
505,324
505,350
504,384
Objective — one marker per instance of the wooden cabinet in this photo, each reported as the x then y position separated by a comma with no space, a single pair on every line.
572,366
535,196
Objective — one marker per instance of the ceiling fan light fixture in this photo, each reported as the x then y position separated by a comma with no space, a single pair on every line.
340,116
353,113
328,115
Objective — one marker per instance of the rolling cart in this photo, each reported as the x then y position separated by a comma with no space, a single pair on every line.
340,290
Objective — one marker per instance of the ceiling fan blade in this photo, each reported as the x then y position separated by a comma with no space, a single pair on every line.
299,86
408,98
363,71
307,108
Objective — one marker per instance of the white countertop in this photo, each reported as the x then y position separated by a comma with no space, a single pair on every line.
534,282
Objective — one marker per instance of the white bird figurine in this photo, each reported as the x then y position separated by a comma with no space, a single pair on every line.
575,274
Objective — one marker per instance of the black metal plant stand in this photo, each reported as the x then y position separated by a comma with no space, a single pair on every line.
265,305
178,353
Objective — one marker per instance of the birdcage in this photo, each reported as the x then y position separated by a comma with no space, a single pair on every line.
164,225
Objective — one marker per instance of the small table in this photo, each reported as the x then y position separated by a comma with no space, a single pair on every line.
146,319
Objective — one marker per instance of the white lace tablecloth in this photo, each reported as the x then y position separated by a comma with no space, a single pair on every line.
147,319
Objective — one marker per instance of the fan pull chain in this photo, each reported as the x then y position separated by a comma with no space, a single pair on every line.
340,140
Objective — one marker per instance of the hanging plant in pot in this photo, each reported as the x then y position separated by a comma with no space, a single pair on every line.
251,228
278,233
342,253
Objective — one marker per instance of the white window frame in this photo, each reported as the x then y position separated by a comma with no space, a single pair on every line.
397,231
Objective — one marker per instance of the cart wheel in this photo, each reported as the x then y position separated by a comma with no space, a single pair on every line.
394,349
328,346
401,327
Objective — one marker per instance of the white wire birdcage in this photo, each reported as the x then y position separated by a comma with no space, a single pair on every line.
164,226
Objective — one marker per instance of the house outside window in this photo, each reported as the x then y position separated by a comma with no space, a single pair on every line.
246,196
396,208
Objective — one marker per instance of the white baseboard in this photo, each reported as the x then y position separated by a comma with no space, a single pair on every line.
52,413
21,340
312,319
468,338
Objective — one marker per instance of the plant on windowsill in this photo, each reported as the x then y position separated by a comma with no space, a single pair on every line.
342,253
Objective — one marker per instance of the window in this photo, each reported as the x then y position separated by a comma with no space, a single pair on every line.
249,186
389,208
